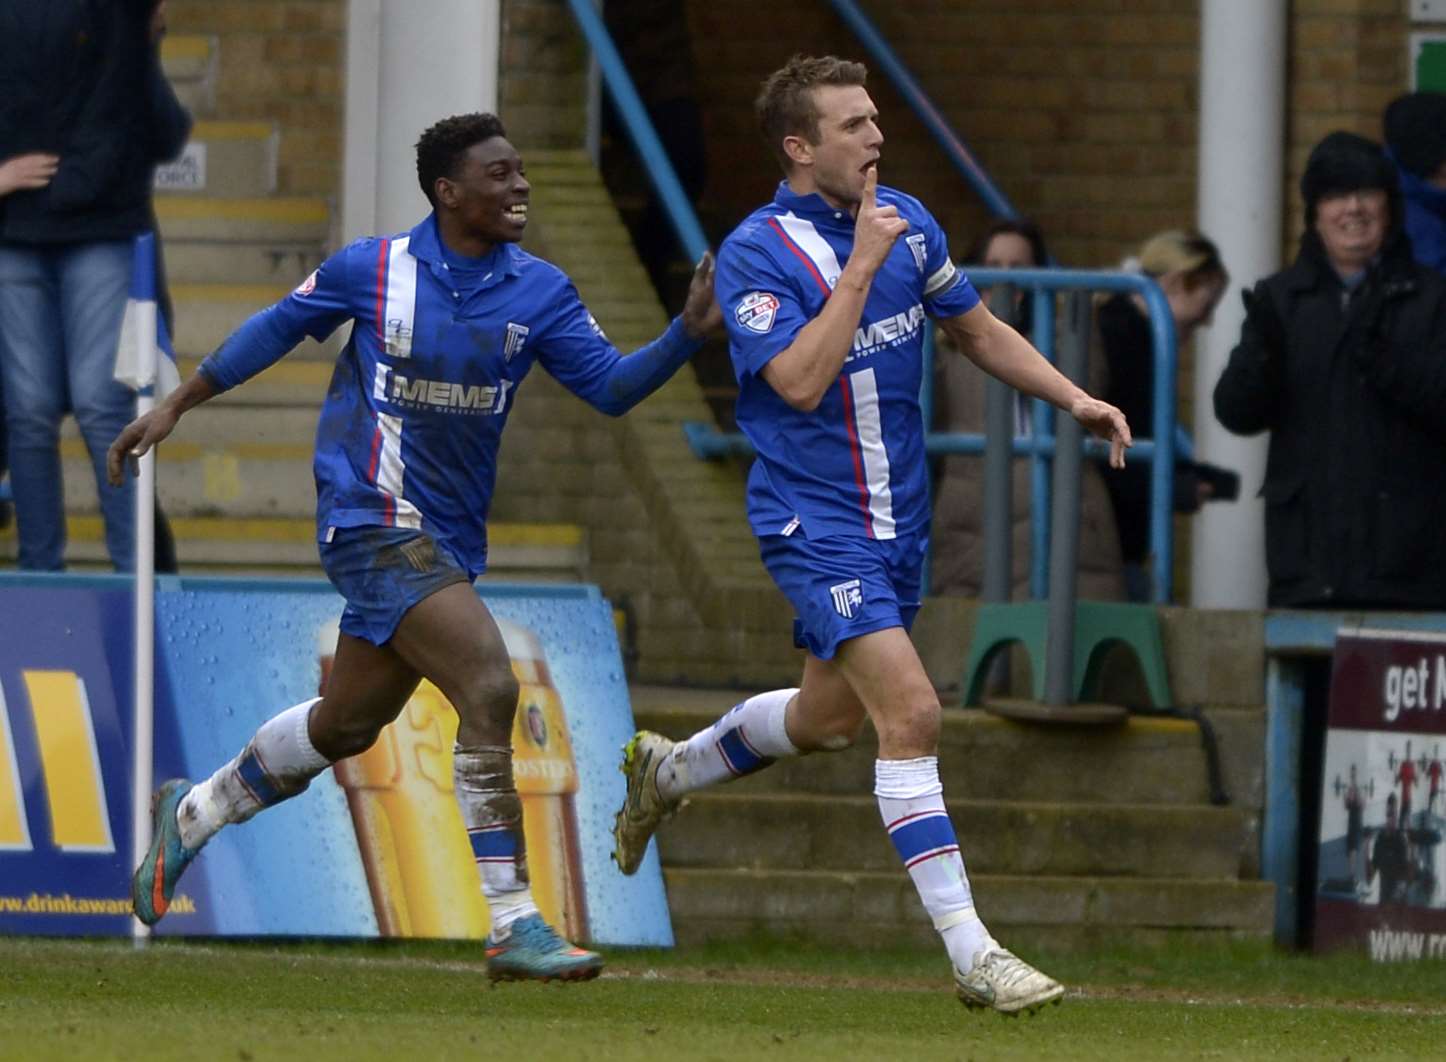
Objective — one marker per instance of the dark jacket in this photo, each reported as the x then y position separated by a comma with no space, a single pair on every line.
1353,391
1128,347
82,79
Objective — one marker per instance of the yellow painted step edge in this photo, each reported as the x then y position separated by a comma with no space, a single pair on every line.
293,210
219,129
188,46
89,528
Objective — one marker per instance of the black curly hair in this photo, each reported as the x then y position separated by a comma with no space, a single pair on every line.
440,149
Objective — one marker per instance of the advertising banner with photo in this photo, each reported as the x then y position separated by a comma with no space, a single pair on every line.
376,846
1381,886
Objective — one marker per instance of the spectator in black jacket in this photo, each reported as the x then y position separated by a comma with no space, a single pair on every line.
79,79
1342,357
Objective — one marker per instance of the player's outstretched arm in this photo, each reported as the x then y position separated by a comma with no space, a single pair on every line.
1001,351
803,371
149,429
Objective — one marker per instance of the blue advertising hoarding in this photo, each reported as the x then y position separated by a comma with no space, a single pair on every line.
375,846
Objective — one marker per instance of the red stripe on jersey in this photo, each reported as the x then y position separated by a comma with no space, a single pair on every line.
382,293
855,452
805,259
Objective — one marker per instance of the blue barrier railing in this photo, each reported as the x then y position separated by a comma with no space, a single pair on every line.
918,101
640,129
707,442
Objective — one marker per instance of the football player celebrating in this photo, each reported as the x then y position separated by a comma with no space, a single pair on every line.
824,293
447,319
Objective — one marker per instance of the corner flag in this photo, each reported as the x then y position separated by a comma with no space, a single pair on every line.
144,356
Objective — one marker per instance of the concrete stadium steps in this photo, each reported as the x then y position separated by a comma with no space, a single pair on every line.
272,546
247,219
882,907
206,314
276,264
291,382
240,159
190,66
721,828
981,757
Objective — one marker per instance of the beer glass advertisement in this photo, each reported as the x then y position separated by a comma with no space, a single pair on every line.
375,846
1380,886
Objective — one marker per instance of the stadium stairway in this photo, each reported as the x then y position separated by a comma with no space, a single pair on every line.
235,479
1074,837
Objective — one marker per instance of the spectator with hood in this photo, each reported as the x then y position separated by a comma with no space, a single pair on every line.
1416,141
1342,358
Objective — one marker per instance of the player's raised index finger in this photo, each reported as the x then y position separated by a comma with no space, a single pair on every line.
871,186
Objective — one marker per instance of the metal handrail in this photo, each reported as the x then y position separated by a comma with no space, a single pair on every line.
640,130
707,442
918,100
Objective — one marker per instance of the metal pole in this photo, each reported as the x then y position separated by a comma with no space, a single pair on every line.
1064,535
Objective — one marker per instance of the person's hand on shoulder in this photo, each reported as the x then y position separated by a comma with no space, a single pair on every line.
701,313
27,171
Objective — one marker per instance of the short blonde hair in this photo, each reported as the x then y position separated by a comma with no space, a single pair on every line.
1181,251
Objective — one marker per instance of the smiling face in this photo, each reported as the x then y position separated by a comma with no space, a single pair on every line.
1352,227
848,144
485,202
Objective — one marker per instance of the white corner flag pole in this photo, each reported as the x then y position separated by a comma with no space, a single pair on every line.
145,583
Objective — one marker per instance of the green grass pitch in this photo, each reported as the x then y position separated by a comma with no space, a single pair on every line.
761,998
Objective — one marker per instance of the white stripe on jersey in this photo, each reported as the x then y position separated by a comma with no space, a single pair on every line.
876,458
801,231
401,309
391,469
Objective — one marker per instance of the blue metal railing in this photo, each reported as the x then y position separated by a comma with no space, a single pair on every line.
918,100
640,130
706,441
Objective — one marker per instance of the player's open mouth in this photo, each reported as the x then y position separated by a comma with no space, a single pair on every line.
864,169
516,213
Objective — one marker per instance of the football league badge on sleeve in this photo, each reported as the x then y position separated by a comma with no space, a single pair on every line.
757,311
848,598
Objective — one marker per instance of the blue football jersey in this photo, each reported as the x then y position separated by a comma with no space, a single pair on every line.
855,465
412,421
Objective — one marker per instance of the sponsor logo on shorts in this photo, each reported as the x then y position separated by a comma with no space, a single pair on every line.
848,598
757,311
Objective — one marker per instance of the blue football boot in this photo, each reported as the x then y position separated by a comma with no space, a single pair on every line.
533,951
155,879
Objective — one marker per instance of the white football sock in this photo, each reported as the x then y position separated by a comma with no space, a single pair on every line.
747,739
911,800
492,813
277,764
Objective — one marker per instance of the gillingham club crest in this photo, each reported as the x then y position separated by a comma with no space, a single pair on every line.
848,598
757,311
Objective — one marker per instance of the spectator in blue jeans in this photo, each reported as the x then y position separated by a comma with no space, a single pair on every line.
79,79
23,171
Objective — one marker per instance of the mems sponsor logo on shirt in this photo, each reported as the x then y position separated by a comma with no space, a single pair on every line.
872,336
443,396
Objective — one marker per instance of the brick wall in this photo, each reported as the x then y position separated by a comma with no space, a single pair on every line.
281,61
542,90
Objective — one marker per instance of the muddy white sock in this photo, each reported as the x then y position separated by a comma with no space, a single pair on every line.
748,738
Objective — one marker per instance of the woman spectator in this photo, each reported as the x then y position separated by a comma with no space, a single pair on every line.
957,563
1188,269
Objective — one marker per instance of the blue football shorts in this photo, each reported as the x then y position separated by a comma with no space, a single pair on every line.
382,572
842,587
